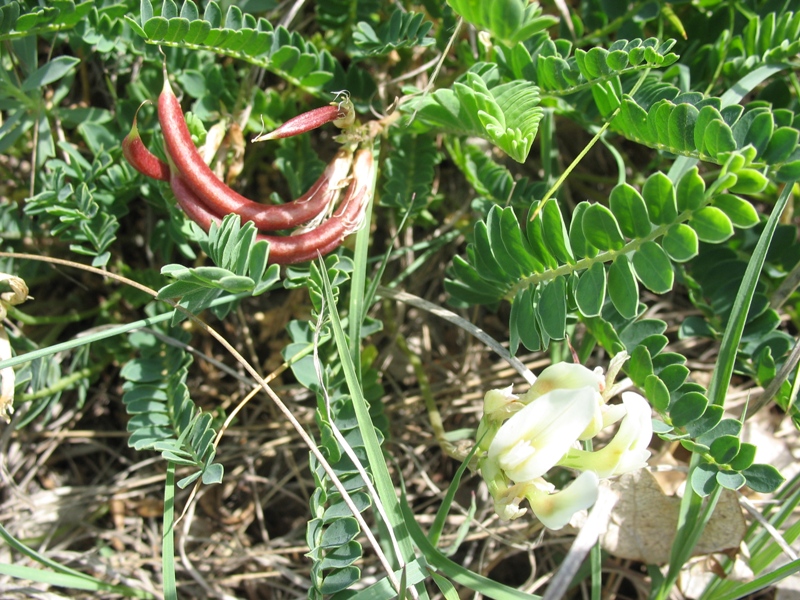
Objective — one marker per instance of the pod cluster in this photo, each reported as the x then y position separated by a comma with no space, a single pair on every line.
206,199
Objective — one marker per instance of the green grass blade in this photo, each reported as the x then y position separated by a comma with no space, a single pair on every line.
459,574
67,581
168,540
359,278
105,334
63,576
759,583
377,461
441,515
733,332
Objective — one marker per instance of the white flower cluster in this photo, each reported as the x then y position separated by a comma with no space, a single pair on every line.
13,291
520,438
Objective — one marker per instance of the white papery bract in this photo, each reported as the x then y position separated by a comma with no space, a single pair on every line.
521,438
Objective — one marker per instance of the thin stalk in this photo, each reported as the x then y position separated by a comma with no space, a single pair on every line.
554,188
434,415
611,26
65,383
168,537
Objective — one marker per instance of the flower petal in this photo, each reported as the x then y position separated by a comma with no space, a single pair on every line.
563,376
555,510
533,440
627,451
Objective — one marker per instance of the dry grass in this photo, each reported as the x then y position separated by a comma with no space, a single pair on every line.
74,490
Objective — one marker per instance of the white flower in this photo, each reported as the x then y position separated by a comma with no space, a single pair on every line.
564,376
534,439
17,293
521,438
556,510
571,376
627,451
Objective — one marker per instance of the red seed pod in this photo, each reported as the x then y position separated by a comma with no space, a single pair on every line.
220,198
140,158
341,114
286,250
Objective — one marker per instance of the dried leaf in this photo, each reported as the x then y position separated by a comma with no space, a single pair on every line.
643,522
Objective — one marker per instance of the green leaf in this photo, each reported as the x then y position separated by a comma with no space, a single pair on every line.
640,366
636,332
156,28
741,213
510,21
555,233
522,322
724,427
489,264
749,181
339,579
653,268
744,459
673,376
600,228
725,448
691,191
718,139
577,240
680,243
731,481
781,145
509,257
622,287
682,120
213,473
591,290
711,225
507,115
630,210
659,195
49,73
339,533
763,478
710,419
402,30
687,408
515,244
553,308
704,479
657,393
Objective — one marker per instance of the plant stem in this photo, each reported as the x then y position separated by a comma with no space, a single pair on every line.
168,539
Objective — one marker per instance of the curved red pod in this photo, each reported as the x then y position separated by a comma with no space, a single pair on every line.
220,198
341,114
286,250
140,158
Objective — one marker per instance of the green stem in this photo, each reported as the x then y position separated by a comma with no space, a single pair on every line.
434,415
609,27
725,50
168,539
589,146
694,516
71,317
65,383
105,334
